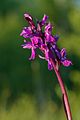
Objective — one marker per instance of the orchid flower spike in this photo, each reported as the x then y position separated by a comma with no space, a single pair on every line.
43,40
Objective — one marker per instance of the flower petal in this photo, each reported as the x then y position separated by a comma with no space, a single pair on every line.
48,33
50,66
49,38
56,37
56,51
29,18
63,52
27,45
32,54
48,28
34,40
42,23
66,63
26,32
46,54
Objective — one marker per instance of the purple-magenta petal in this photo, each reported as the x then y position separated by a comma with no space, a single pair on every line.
49,38
29,18
23,32
56,37
26,32
50,66
44,19
56,51
64,61
67,63
52,39
46,54
32,54
27,45
34,40
48,28
48,33
63,52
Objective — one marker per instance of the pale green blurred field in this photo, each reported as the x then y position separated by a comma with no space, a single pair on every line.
28,91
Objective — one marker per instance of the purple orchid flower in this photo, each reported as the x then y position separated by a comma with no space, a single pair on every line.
64,61
41,38
44,41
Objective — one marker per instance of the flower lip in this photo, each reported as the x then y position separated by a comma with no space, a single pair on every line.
67,63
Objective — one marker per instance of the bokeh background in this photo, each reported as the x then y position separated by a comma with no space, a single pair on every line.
28,91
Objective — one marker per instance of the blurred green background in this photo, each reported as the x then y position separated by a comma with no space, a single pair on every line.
28,91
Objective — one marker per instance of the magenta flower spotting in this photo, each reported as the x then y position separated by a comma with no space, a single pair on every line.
47,44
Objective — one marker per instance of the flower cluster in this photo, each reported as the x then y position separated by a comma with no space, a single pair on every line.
41,38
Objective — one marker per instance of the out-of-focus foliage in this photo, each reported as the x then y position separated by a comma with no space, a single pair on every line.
28,91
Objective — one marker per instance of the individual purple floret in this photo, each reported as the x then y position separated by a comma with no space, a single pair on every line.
43,40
